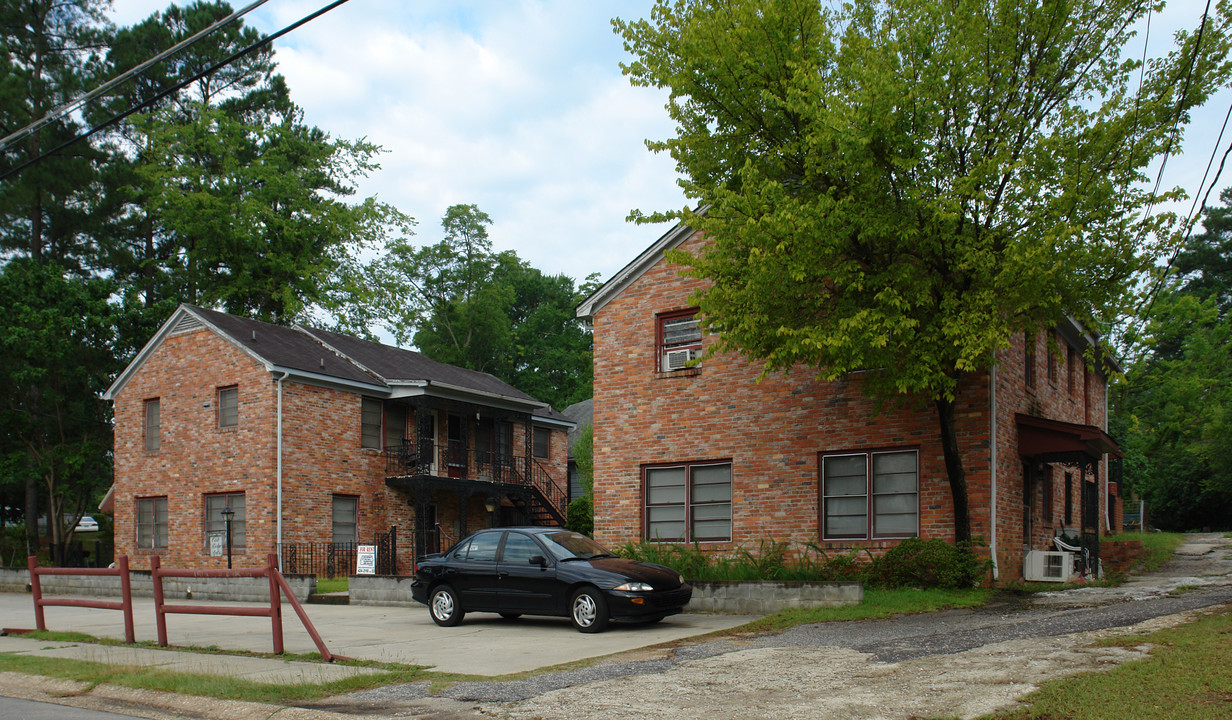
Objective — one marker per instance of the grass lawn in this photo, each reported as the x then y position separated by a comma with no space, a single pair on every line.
1187,677
328,585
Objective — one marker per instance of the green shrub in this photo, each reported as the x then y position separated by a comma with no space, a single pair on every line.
773,561
581,515
928,564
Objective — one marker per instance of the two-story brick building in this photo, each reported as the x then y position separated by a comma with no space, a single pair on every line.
305,441
709,453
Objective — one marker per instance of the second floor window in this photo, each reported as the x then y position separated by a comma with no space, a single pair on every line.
679,340
152,425
370,423
543,443
228,407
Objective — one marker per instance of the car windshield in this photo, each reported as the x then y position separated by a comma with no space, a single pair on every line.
566,545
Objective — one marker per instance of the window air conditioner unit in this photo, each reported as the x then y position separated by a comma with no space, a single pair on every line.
1048,566
678,359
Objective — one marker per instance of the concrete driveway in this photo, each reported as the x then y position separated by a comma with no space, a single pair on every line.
484,644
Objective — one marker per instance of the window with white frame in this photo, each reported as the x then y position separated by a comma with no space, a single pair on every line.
689,502
152,425
346,519
216,520
679,340
870,495
151,523
228,407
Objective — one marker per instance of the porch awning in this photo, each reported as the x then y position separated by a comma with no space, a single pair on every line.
1056,441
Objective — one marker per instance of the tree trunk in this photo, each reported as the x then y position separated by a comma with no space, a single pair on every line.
954,468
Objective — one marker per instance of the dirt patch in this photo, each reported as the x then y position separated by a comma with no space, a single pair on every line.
831,682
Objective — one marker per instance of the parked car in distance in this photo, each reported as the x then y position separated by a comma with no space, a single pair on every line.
545,571
86,524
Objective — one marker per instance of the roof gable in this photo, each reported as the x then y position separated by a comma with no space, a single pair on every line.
634,270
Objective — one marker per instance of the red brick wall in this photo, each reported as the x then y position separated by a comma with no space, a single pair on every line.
773,430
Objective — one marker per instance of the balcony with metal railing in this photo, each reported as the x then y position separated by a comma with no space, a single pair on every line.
413,460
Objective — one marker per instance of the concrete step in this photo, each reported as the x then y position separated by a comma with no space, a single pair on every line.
333,598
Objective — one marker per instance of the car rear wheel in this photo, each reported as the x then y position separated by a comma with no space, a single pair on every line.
588,610
444,607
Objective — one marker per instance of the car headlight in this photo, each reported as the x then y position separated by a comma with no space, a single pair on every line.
680,578
635,587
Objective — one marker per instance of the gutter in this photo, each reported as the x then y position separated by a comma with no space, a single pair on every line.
992,464
1104,459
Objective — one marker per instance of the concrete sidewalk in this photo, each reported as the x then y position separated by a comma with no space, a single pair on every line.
483,644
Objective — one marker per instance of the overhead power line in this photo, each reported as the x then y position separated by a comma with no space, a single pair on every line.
173,89
81,100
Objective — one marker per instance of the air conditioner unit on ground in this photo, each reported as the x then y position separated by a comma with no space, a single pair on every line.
678,359
1048,566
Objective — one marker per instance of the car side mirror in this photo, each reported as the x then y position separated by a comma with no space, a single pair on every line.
538,560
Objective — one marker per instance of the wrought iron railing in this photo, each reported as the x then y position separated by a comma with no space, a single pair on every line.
453,461
338,559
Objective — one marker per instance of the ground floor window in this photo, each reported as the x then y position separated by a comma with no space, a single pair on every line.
688,502
216,520
152,522
870,495
346,518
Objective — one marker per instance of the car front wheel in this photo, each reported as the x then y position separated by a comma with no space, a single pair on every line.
588,611
444,607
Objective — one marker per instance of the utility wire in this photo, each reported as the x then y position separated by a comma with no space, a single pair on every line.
81,100
173,89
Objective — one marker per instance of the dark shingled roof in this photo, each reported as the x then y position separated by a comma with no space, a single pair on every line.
286,347
349,358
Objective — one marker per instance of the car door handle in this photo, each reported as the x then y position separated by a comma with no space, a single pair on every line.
502,574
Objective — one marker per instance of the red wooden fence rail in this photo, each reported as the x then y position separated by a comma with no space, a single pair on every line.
277,584
125,604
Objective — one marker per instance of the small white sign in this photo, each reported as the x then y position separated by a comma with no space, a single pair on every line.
365,562
218,544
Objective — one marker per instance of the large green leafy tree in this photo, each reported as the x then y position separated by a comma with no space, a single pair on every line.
1174,409
463,304
56,338
231,199
898,188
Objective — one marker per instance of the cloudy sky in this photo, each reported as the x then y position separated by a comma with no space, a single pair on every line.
519,107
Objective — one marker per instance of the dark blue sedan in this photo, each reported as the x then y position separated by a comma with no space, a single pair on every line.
545,571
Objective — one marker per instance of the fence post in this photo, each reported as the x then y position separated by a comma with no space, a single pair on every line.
36,589
126,597
271,571
159,617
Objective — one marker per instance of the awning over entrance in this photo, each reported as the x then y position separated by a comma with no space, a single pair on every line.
1056,441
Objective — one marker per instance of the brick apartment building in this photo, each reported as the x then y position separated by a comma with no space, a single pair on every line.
711,455
311,441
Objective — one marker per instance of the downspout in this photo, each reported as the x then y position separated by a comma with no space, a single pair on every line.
1107,498
278,465
992,405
